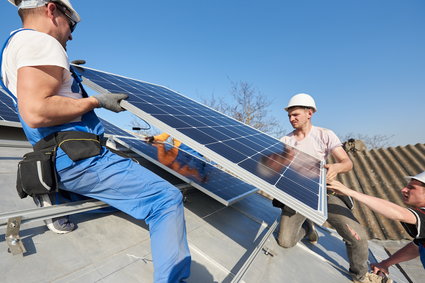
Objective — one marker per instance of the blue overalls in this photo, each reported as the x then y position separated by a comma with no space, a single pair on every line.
422,253
130,188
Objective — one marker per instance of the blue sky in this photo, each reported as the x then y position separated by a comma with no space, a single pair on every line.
362,60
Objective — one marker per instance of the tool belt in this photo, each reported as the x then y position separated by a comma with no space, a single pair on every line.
37,171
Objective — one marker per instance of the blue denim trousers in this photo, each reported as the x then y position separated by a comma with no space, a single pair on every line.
292,229
133,189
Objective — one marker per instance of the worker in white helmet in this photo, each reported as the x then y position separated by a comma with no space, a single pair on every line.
58,118
412,219
321,142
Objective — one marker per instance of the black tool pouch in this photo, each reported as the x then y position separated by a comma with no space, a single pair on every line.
36,173
79,145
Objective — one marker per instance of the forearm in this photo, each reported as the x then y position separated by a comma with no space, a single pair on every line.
55,110
335,168
386,208
408,252
343,166
343,163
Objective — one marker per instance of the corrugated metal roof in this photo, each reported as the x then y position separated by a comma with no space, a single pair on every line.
380,172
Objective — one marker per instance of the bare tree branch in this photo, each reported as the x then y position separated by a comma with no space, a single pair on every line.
250,107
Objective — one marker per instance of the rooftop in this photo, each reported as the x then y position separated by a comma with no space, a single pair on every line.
226,243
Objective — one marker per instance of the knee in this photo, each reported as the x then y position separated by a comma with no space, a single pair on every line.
355,234
173,196
169,201
285,243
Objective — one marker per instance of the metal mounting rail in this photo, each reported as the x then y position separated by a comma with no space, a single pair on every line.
48,212
13,221
242,271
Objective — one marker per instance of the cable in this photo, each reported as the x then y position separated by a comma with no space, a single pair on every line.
140,128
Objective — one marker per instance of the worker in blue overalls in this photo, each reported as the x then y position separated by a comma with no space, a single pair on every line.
55,114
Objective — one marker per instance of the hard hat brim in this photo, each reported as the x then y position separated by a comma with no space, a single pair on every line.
303,106
74,15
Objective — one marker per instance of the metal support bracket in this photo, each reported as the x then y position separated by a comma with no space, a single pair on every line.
268,252
260,247
12,236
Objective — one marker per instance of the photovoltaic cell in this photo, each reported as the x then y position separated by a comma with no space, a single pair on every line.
291,176
111,129
199,173
8,115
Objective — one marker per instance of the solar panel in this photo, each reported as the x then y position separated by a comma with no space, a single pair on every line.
111,129
8,115
209,179
291,176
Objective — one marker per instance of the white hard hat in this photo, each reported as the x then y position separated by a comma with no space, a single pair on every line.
27,4
303,100
420,177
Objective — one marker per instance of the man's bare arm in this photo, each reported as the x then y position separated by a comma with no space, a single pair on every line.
381,206
342,165
38,102
408,252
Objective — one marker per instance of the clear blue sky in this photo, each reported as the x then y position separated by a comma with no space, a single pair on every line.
362,60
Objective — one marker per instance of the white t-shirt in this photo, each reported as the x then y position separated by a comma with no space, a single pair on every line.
33,48
319,142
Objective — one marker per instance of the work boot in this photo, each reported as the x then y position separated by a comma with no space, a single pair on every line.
373,278
311,235
59,225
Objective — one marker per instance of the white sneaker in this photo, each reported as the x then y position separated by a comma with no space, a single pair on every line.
374,278
59,225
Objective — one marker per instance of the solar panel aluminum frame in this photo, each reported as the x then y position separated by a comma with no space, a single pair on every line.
318,216
10,124
183,178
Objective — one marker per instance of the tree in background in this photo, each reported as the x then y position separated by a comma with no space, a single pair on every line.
250,107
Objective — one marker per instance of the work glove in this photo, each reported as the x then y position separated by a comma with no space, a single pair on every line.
111,101
150,139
